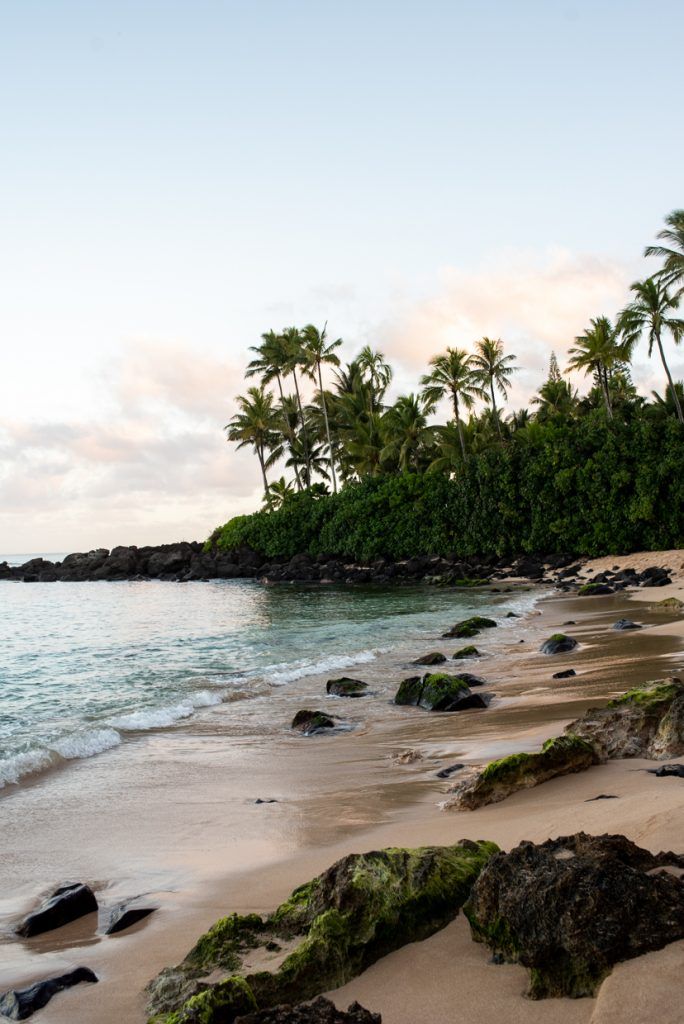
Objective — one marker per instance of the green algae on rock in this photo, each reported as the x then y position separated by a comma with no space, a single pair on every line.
327,932
562,755
470,651
644,722
346,687
559,643
570,908
469,627
437,691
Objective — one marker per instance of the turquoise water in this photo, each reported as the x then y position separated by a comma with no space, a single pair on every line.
83,664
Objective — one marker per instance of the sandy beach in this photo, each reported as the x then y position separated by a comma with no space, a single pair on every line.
177,819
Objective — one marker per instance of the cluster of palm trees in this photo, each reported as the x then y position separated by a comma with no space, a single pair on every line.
348,431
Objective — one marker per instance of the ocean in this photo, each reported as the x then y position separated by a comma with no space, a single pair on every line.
84,666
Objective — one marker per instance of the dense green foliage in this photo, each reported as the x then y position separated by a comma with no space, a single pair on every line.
582,487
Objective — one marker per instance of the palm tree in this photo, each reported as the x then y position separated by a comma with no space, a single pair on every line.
405,432
598,351
650,313
288,424
453,374
271,357
278,493
318,351
256,424
556,398
672,253
493,369
378,371
294,358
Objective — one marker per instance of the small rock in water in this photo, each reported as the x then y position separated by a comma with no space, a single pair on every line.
601,796
676,770
346,687
18,1004
624,624
310,722
66,904
448,772
559,643
512,615
433,658
123,916
566,674
267,800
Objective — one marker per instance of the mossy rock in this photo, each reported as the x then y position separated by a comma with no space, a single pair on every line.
595,589
470,651
470,627
561,755
671,602
559,643
436,691
332,928
433,658
310,722
346,687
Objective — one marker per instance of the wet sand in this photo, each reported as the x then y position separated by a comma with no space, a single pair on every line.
176,818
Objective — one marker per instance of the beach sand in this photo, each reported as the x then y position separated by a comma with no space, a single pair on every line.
176,818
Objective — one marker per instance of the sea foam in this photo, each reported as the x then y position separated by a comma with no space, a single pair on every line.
280,675
160,718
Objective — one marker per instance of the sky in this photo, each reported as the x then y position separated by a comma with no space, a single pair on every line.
179,177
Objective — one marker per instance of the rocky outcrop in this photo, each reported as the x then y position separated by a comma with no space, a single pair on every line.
570,908
559,643
66,904
645,722
326,933
320,1011
560,756
19,1004
437,691
310,722
345,687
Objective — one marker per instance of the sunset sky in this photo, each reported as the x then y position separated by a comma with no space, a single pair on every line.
178,177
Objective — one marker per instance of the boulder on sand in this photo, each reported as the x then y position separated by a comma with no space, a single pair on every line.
345,687
559,643
433,658
66,904
437,691
467,652
626,624
19,1004
570,908
328,931
310,722
469,627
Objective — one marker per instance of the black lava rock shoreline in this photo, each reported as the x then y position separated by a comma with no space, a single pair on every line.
188,561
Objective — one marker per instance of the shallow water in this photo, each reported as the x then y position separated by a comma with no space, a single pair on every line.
84,664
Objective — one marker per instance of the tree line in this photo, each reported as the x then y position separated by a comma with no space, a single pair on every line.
350,433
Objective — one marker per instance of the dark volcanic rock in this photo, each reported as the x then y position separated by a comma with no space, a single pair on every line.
310,722
625,624
559,643
446,773
566,674
466,652
666,770
321,1011
470,627
124,915
437,691
595,589
64,905
433,658
571,908
18,1004
345,687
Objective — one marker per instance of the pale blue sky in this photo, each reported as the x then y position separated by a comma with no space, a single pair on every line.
178,177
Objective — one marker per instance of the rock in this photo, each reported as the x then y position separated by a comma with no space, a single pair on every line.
572,907
64,905
469,627
646,722
467,652
124,915
601,796
265,800
433,658
570,622
446,773
595,589
670,602
676,770
18,1004
437,691
512,615
310,722
333,927
565,674
559,643
625,624
562,755
345,687
472,680
321,1011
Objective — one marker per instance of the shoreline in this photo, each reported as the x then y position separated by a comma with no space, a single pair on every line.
356,784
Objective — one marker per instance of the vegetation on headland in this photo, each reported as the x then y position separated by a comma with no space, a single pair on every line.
591,474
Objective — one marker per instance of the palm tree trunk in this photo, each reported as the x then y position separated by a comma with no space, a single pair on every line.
260,453
305,442
603,374
327,429
288,436
494,408
459,424
669,377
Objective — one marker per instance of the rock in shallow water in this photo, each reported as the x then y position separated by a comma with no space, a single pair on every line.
437,691
310,722
623,625
433,658
66,904
571,908
124,915
320,1011
559,643
346,687
19,1004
